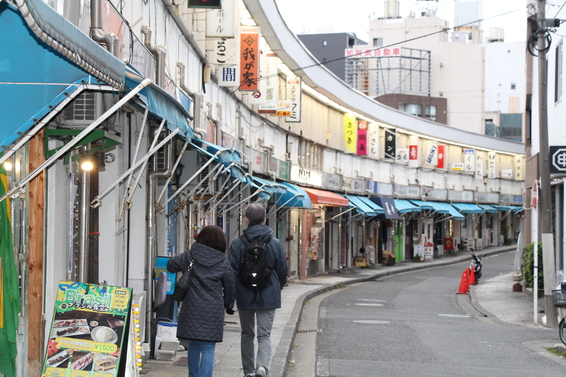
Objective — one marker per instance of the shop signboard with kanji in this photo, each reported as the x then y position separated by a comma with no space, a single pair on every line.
88,331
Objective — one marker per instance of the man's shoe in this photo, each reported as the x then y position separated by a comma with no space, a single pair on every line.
261,372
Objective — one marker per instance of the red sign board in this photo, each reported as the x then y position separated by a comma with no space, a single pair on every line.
249,58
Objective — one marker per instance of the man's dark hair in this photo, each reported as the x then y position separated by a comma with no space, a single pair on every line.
213,236
255,213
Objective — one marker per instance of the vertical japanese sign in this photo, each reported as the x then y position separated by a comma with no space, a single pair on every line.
491,165
518,168
294,95
431,153
223,51
350,132
469,159
87,332
373,140
413,151
480,162
249,58
390,143
222,22
441,156
362,138
271,86
229,76
258,97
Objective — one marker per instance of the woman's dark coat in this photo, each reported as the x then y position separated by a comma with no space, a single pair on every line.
211,289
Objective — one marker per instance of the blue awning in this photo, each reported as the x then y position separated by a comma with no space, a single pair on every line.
487,208
294,197
467,208
34,78
426,205
362,207
230,158
503,208
270,189
405,206
446,208
388,205
517,208
162,104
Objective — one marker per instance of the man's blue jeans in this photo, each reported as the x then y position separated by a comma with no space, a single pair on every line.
201,358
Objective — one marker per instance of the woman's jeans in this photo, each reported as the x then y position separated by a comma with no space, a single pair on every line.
201,358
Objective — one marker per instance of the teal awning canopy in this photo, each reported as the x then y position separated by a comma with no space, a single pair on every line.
487,208
405,206
426,205
503,208
230,158
34,78
362,207
294,197
162,104
269,188
467,208
446,208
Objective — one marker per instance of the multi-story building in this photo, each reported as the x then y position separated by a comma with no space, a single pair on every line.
181,130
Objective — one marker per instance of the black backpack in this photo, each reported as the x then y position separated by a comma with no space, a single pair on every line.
255,272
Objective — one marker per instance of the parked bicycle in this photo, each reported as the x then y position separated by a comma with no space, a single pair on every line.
559,300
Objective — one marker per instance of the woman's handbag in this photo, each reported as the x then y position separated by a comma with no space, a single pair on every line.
182,285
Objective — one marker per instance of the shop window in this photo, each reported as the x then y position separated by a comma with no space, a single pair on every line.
430,112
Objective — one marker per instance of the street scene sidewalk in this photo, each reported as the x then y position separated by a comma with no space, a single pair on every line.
495,296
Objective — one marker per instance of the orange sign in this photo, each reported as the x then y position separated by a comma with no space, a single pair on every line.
249,58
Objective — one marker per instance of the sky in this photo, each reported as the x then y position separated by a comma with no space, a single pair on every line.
304,16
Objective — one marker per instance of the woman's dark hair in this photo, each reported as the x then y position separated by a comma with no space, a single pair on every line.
255,213
213,236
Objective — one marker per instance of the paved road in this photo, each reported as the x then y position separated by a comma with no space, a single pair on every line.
415,324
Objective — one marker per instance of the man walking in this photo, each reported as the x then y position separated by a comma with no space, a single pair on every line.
257,298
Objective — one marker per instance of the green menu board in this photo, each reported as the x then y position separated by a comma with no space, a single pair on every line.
87,332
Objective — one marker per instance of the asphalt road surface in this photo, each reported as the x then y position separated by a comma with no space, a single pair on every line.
414,324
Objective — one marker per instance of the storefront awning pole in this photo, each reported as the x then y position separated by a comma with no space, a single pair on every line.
19,186
201,190
130,190
506,214
98,200
173,171
276,208
235,183
242,201
188,181
227,182
340,214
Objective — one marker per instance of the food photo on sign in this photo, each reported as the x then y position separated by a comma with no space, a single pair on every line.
87,331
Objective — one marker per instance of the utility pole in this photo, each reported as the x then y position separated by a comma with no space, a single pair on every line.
545,200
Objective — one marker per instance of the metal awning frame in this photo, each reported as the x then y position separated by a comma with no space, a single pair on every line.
20,185
340,214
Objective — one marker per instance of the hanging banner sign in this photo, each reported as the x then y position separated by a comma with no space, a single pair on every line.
479,165
518,169
491,165
362,138
373,140
403,155
222,22
431,153
441,157
294,95
271,86
87,333
390,143
259,97
223,51
228,77
249,58
283,109
350,132
469,159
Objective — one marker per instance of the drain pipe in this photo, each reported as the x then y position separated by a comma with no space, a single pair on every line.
98,34
152,247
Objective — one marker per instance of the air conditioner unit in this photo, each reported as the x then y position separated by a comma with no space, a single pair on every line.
84,110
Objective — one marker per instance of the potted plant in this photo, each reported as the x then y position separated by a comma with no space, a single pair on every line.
527,267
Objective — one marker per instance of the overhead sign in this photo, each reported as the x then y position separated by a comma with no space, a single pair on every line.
557,159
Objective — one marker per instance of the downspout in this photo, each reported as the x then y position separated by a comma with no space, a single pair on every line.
151,249
98,34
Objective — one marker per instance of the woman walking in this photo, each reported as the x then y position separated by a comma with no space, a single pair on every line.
211,290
